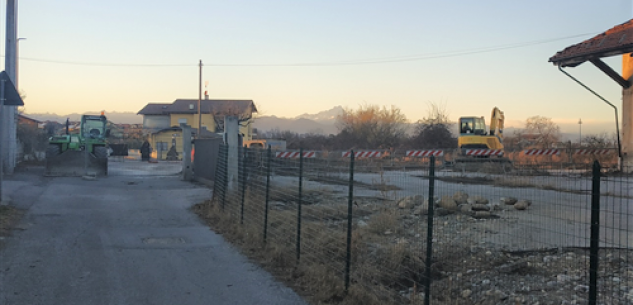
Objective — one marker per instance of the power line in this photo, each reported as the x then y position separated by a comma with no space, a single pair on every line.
369,61
417,57
96,64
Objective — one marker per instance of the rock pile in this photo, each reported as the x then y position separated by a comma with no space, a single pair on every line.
476,206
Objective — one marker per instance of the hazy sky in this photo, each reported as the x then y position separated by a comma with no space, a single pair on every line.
470,55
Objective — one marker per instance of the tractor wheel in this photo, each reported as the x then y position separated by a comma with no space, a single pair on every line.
52,150
101,152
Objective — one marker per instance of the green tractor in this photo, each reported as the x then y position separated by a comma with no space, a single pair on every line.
80,154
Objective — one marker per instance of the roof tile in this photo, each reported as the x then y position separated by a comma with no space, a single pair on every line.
616,41
186,106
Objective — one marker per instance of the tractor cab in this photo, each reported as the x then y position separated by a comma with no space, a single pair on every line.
94,126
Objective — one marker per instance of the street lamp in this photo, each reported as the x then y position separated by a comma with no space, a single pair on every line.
17,60
579,132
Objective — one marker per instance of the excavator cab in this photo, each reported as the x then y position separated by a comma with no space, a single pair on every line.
472,125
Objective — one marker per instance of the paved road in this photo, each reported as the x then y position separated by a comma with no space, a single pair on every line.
125,239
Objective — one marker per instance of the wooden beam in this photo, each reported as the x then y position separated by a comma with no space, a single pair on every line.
608,71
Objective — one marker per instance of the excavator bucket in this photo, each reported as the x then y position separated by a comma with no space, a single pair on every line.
72,163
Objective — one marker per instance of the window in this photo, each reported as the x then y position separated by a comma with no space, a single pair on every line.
472,126
182,121
161,146
467,125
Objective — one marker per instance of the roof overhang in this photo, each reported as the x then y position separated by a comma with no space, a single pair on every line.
614,42
576,60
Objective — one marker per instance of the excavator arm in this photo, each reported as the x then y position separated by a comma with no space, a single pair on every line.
496,123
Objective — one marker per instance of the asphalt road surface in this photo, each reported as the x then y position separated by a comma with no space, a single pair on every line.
125,239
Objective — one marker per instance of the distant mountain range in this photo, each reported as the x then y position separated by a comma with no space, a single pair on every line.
115,117
319,123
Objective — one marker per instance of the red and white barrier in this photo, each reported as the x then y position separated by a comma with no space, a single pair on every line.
425,153
593,151
541,152
484,152
363,154
295,154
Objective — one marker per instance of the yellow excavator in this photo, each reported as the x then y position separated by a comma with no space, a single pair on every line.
477,143
474,134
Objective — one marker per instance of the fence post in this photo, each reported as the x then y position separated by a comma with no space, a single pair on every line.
245,150
299,203
595,234
350,199
216,179
269,152
429,232
225,181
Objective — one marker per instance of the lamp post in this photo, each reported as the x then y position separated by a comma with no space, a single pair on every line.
579,132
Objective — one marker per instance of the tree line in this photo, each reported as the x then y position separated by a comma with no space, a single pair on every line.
382,127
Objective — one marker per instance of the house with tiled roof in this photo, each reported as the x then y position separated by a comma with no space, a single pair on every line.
24,120
161,121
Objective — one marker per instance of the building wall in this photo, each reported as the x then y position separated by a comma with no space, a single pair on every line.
156,122
247,131
192,120
166,137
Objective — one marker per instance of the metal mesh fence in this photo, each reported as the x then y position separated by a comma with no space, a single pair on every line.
409,230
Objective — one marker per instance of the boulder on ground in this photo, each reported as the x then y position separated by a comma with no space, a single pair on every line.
410,201
422,209
435,200
466,209
521,205
442,212
509,200
480,207
460,197
448,203
480,199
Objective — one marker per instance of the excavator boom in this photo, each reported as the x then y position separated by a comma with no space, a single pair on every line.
496,122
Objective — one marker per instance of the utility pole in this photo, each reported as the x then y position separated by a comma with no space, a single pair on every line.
8,117
199,101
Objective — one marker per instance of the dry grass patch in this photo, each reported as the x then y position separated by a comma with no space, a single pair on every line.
9,216
385,221
381,267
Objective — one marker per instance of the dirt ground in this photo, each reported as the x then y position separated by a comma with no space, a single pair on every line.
9,217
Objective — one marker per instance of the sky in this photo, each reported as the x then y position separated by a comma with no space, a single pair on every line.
295,57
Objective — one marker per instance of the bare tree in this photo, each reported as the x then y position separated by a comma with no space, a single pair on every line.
371,126
434,130
542,131
602,140
244,116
